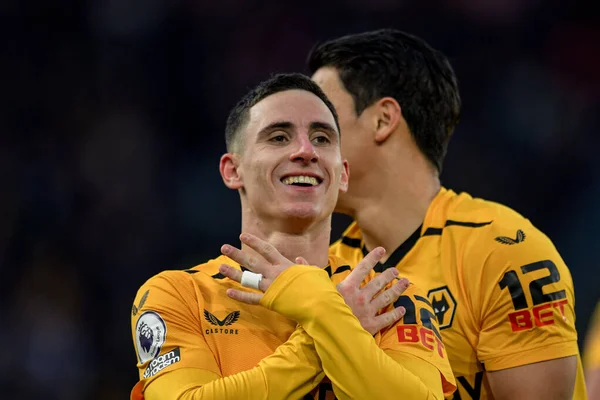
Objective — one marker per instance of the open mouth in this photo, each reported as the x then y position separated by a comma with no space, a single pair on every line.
301,180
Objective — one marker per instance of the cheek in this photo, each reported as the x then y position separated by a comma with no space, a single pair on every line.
258,172
336,169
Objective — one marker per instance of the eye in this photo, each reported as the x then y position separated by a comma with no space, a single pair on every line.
278,138
321,139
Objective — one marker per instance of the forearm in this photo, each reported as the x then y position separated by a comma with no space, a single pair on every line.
357,367
187,384
292,371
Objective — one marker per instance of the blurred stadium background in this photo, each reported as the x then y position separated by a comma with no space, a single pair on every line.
111,128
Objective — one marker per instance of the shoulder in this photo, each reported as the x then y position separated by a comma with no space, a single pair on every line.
503,247
482,228
481,215
165,281
170,285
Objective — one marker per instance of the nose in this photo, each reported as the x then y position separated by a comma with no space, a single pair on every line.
305,151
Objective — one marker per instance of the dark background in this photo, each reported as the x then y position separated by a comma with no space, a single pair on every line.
111,127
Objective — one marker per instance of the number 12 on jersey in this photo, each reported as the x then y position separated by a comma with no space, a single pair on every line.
541,313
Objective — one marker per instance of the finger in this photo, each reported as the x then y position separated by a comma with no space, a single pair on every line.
379,282
301,261
404,284
244,297
390,295
389,318
267,250
363,268
230,272
237,255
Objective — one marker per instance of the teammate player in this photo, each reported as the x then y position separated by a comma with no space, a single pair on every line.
502,294
195,340
592,356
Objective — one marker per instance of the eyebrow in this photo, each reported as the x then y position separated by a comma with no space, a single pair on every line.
315,125
275,126
323,126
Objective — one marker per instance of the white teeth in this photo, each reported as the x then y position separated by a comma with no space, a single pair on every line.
301,179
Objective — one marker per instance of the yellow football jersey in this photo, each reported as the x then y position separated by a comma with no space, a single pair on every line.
501,293
184,319
592,342
417,333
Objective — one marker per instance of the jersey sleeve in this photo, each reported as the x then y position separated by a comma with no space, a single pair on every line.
592,343
175,362
290,372
351,359
417,334
522,298
166,328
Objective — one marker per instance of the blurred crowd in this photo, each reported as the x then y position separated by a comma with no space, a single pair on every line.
112,125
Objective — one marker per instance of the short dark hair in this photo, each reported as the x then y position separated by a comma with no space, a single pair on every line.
388,62
238,117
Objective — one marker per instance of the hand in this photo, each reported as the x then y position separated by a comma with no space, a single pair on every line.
364,302
270,264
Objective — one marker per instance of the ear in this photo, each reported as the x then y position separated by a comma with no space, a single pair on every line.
389,115
345,176
228,166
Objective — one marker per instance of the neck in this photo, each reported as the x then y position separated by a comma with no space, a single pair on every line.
388,218
310,242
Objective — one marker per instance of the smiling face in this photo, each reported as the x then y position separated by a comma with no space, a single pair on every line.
289,164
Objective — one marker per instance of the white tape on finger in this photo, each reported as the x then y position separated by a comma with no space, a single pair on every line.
251,280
